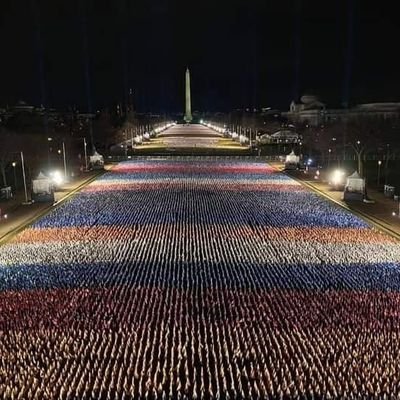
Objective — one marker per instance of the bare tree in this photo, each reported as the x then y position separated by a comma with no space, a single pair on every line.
8,142
360,136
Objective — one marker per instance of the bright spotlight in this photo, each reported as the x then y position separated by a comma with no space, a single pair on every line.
337,177
56,177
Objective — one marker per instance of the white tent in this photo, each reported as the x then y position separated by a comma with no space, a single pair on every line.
42,185
42,189
292,161
355,183
243,139
96,160
355,188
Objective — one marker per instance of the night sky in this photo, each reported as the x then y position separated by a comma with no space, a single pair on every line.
241,53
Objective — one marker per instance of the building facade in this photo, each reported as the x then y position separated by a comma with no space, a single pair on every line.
311,111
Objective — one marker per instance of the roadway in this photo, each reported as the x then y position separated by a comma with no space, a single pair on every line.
19,215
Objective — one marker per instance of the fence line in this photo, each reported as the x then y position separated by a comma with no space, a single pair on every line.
266,158
197,157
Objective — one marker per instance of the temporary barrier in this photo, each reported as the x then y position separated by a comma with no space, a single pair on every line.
5,193
388,191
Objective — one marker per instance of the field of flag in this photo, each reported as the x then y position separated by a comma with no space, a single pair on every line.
199,279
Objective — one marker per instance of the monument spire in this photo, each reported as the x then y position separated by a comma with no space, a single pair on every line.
188,105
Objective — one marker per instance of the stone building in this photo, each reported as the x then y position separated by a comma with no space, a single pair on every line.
311,111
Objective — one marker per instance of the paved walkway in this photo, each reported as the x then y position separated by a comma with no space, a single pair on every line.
19,215
196,136
189,136
184,138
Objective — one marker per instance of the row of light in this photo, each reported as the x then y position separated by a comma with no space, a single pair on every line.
234,135
164,127
146,136
213,127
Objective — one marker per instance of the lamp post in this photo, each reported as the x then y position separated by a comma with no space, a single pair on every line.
337,161
379,172
64,160
398,211
125,133
329,158
14,164
387,163
358,149
24,177
49,139
86,160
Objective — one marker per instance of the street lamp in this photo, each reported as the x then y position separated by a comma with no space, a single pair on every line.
65,161
387,163
358,149
24,177
14,164
86,159
329,157
49,139
379,172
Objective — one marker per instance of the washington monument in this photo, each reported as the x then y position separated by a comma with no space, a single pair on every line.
188,106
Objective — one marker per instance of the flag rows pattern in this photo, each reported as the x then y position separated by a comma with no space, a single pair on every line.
199,279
